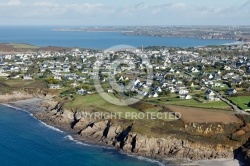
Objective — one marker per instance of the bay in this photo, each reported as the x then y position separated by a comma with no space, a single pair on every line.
46,36
26,141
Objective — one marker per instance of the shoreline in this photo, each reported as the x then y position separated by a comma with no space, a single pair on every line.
33,106
226,43
69,134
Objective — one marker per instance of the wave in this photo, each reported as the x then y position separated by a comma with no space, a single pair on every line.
145,159
17,108
69,137
86,144
50,127
77,142
46,125
123,153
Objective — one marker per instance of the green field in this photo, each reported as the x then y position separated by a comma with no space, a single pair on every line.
241,101
17,83
24,46
191,103
96,102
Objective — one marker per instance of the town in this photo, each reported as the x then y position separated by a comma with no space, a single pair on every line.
215,77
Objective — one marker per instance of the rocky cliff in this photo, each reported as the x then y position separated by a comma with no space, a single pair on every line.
113,133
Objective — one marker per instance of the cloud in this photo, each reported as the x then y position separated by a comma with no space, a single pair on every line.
11,3
138,13
246,4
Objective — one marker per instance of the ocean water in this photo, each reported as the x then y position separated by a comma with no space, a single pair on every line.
45,36
24,141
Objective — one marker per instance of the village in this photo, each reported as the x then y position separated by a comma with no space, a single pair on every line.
211,77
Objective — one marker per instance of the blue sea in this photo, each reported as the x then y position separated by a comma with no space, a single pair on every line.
25,141
45,36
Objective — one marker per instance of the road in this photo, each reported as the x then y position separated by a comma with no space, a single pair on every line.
233,106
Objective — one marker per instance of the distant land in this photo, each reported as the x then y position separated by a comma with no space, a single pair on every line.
25,48
239,33
22,47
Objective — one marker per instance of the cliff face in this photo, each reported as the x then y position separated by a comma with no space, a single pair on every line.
114,134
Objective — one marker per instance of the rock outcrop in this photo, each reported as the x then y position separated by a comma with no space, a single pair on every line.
122,137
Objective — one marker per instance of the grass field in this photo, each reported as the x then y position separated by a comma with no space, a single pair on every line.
190,103
241,101
24,46
194,103
17,83
96,102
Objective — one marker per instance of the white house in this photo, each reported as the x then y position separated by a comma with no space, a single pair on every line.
211,96
231,92
218,85
57,77
82,92
183,92
27,77
55,86
186,97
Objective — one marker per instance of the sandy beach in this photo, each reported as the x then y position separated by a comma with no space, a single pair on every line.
32,105
215,162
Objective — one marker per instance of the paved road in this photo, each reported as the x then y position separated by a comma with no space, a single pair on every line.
233,106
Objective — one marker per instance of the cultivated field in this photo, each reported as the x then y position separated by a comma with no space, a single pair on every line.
198,115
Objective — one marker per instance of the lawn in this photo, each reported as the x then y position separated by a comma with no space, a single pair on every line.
173,100
97,103
221,88
194,103
241,101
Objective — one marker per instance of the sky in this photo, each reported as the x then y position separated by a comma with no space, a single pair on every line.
124,12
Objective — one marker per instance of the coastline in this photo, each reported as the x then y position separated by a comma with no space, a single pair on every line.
35,107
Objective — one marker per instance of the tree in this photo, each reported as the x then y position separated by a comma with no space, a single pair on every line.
167,92
51,80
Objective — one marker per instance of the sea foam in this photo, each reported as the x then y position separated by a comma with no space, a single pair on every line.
69,137
46,125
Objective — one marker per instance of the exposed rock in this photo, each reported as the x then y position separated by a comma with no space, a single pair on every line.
112,134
